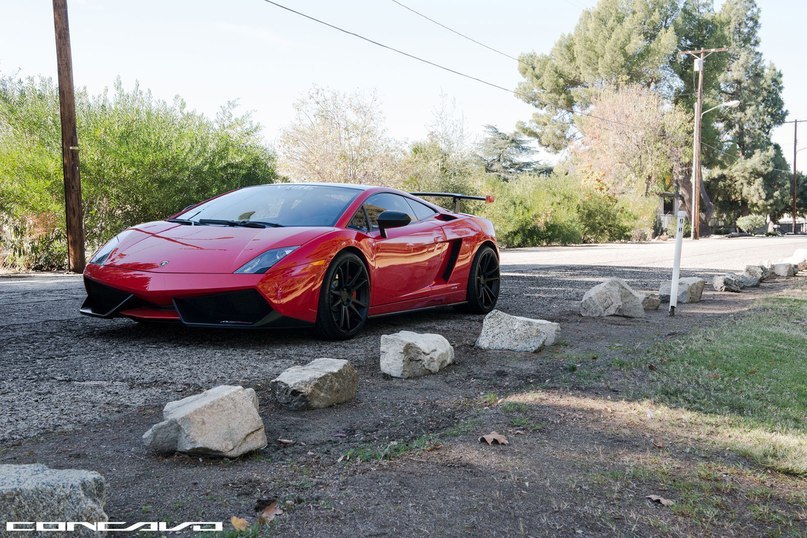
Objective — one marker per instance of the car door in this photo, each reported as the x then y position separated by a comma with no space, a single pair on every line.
408,260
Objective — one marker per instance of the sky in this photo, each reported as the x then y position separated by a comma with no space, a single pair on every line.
210,52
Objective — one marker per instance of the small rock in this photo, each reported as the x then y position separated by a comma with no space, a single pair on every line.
408,354
784,269
515,333
320,383
222,421
612,298
762,272
727,282
690,289
37,493
748,280
651,301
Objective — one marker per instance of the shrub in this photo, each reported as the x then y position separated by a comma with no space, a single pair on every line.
751,223
141,159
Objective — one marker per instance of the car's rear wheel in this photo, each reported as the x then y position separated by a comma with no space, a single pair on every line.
483,282
344,299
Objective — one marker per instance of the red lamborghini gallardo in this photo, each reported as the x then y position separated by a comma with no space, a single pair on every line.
327,255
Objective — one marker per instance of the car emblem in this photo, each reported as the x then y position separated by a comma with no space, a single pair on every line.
163,263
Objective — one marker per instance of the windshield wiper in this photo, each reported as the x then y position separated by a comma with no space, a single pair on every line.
182,221
244,223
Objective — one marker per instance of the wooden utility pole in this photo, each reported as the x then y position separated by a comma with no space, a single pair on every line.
795,173
700,62
67,109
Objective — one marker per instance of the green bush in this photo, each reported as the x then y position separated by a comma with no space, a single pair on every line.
751,223
539,210
141,159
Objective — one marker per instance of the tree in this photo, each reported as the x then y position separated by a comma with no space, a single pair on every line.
748,170
338,137
507,154
634,143
615,43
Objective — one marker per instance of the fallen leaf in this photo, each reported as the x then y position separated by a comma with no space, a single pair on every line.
660,500
285,442
239,524
494,438
713,376
431,448
658,443
651,366
268,513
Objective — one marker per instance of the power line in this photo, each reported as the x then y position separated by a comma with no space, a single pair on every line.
418,13
429,62
408,55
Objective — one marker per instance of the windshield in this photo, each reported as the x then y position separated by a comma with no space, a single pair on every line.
278,205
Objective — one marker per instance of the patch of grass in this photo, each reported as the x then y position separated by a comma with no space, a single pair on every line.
622,364
465,427
525,423
490,398
391,450
514,407
749,376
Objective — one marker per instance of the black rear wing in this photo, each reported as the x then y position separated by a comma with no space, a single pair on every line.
456,197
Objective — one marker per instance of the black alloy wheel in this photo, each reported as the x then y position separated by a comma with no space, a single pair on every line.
483,282
344,299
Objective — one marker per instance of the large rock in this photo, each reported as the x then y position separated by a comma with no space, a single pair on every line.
762,272
799,259
30,493
320,383
727,282
612,298
690,289
514,333
784,269
408,354
222,421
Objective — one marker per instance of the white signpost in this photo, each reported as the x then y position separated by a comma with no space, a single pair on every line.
679,238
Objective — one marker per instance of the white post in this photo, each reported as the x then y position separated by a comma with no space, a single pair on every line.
679,239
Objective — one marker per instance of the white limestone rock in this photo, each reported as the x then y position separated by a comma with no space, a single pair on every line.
784,269
612,298
320,383
727,282
37,493
651,301
690,289
761,272
408,354
502,331
222,421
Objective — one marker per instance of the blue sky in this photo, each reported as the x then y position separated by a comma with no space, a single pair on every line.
210,52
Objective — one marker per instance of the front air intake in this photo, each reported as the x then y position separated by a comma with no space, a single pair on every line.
245,308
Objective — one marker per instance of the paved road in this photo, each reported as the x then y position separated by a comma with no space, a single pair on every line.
718,253
59,369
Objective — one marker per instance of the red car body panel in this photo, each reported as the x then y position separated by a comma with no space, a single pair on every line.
421,265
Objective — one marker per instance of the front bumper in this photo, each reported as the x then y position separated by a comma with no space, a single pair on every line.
198,300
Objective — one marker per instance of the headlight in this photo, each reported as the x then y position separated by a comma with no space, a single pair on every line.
100,257
262,263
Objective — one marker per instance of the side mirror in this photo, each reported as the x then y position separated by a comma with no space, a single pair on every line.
392,219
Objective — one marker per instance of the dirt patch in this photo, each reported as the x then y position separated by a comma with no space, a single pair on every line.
404,458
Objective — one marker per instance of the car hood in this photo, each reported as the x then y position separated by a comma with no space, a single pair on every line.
164,247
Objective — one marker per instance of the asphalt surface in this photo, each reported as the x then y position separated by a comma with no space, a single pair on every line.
60,370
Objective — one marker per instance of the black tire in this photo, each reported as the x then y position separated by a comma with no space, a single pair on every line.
344,299
483,282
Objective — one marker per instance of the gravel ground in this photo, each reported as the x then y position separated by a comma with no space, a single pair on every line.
62,372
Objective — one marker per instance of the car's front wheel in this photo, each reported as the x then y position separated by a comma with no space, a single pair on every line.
344,299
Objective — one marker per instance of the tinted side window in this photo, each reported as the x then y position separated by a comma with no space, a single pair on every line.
379,203
422,211
359,220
